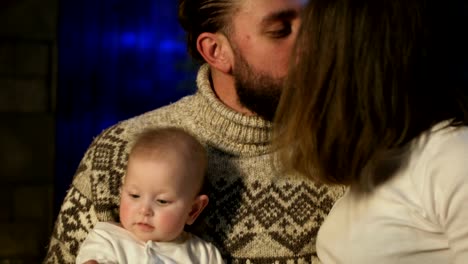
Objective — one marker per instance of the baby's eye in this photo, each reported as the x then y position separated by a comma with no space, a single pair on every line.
134,196
162,202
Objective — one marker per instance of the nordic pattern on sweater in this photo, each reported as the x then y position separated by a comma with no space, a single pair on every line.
255,214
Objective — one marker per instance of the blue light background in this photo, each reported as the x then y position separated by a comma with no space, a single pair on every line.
116,59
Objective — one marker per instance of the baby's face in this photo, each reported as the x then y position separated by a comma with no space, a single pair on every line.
157,198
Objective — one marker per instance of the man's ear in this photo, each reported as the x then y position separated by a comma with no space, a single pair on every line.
198,205
216,50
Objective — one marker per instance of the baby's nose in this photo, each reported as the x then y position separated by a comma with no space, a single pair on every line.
146,210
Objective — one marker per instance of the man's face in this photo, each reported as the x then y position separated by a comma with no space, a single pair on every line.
262,39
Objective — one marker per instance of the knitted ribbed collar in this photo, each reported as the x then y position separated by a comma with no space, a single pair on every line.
227,129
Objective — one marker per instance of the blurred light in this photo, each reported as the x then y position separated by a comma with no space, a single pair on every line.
171,46
128,39
141,41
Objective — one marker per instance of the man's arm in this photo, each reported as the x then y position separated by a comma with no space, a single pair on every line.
92,197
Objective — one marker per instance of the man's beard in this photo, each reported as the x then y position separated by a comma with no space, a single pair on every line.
257,91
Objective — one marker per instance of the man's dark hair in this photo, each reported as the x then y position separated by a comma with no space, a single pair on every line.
198,16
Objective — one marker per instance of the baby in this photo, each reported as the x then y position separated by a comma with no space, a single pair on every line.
161,193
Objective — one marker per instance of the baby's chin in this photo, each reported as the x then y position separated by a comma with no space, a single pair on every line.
143,232
144,238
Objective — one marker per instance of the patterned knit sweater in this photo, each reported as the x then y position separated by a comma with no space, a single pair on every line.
256,214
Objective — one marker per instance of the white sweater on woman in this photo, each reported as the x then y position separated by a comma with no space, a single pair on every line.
419,216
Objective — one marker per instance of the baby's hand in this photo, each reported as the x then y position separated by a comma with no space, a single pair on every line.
92,261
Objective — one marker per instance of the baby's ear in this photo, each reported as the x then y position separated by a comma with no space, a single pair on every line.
200,202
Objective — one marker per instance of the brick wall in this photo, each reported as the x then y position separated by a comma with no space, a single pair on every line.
27,127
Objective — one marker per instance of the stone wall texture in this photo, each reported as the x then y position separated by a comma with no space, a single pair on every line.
28,44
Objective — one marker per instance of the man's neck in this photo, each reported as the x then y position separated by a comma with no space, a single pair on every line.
224,87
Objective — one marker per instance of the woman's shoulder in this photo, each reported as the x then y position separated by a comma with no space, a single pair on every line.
448,141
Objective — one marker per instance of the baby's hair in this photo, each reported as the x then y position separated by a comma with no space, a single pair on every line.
154,142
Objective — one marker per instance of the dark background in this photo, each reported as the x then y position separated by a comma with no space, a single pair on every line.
116,59
68,70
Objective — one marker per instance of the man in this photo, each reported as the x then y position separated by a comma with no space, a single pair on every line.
256,214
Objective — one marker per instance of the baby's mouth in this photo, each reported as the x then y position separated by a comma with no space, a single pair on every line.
144,226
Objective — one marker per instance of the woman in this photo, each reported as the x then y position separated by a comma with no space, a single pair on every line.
376,101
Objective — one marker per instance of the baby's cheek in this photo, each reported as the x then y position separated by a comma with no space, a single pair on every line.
173,223
125,212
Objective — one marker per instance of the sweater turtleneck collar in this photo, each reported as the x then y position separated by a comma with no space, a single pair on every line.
234,132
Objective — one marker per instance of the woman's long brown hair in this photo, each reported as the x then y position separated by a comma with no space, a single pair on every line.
369,77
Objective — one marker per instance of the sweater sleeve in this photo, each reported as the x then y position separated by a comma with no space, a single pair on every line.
447,186
92,196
